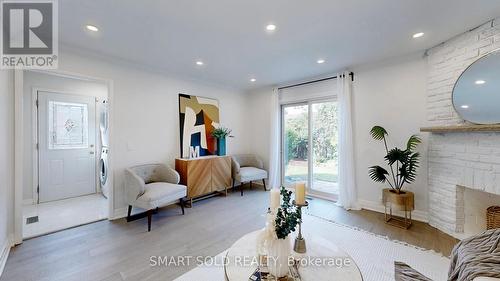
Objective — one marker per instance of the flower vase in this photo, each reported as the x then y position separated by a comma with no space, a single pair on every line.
221,146
278,253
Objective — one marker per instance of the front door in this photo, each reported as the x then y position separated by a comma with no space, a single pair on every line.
66,138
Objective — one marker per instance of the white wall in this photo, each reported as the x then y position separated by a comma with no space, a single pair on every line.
259,115
390,94
36,80
145,122
6,162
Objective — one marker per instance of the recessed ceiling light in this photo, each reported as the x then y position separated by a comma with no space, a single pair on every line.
418,35
253,80
92,28
199,62
320,61
480,82
464,106
271,27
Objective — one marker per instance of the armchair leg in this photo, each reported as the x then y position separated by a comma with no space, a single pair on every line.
264,182
182,205
241,188
150,214
129,212
250,184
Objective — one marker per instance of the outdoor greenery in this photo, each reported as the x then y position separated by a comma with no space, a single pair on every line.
326,172
406,162
324,138
221,132
287,217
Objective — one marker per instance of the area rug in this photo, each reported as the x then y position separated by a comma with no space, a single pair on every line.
374,254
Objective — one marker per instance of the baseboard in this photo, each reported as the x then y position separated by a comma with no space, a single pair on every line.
4,254
417,215
119,213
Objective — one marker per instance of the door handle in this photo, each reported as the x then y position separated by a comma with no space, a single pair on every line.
92,152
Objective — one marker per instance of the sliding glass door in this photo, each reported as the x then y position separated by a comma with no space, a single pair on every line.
309,146
295,146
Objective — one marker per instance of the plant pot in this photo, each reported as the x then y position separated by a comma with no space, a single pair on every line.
399,201
278,252
221,146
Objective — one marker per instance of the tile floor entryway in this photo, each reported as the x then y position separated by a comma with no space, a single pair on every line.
62,214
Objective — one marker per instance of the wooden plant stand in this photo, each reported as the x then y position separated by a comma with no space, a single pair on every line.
404,202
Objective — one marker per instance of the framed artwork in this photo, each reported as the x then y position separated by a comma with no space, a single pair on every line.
198,116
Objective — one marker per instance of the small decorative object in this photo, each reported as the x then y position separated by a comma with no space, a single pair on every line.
403,166
286,219
198,117
300,193
194,152
221,134
275,199
264,236
300,243
493,217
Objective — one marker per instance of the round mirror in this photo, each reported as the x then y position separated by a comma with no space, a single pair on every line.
476,95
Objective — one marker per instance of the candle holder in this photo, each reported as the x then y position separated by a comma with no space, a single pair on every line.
300,243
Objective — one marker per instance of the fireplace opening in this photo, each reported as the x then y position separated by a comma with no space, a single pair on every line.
475,204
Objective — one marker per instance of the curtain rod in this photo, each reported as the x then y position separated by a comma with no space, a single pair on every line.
315,81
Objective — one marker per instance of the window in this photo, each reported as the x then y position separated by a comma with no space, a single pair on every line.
68,124
310,147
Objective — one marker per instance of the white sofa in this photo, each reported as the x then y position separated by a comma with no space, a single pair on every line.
152,186
247,168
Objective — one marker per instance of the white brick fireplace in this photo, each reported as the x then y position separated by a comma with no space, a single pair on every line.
458,160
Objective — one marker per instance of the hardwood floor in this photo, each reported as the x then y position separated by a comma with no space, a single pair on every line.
119,250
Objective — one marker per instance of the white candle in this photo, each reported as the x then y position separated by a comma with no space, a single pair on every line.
275,198
300,193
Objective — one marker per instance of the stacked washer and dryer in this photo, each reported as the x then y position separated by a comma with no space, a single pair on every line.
103,162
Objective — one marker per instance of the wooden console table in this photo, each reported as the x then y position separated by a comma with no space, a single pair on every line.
204,176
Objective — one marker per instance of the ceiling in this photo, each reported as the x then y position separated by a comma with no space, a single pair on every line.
230,36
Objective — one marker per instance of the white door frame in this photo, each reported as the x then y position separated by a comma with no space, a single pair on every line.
19,173
35,141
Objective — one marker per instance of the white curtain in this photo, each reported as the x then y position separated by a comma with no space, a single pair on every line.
274,141
347,181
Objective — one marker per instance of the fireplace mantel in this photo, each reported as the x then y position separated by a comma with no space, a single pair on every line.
461,128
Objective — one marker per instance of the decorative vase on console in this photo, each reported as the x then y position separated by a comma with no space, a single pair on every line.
221,146
221,134
285,219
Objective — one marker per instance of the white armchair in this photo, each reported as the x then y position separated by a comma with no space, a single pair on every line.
150,187
248,168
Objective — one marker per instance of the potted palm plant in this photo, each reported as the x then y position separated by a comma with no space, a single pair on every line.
221,134
403,165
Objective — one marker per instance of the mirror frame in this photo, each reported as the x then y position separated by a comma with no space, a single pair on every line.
490,53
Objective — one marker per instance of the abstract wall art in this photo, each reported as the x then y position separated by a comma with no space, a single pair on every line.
198,116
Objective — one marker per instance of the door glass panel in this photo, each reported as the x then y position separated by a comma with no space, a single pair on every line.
325,124
295,143
68,125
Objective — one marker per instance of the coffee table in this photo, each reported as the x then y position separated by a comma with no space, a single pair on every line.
317,262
